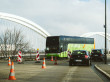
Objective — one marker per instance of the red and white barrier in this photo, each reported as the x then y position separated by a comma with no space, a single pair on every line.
19,59
69,54
55,61
51,58
37,56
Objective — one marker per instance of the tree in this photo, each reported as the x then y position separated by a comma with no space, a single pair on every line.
12,41
4,40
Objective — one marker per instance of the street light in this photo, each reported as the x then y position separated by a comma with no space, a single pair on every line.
105,35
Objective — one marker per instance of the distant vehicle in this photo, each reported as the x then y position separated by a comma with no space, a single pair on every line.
97,54
59,45
80,56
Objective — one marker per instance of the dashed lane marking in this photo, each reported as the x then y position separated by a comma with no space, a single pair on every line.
68,77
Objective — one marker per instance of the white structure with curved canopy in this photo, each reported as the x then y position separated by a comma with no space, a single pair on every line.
96,33
25,22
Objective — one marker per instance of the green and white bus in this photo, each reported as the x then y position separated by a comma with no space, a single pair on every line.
59,45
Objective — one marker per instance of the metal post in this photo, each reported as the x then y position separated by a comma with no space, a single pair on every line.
105,36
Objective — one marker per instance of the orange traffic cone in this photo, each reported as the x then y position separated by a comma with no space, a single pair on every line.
9,62
51,58
43,65
55,61
12,73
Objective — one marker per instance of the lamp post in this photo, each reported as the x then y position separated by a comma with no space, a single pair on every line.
105,35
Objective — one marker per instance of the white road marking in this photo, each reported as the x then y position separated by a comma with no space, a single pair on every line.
68,77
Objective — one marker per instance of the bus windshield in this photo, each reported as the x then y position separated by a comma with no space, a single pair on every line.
52,44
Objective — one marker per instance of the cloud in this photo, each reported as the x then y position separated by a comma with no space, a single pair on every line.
58,17
61,17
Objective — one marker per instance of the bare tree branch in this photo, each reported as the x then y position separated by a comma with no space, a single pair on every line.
14,40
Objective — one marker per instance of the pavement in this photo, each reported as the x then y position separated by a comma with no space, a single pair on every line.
100,66
104,68
33,72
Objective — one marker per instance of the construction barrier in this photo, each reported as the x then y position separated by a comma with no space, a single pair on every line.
69,54
9,62
37,57
51,58
55,61
12,73
43,65
20,57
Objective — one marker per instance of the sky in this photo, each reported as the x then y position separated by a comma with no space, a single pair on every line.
61,17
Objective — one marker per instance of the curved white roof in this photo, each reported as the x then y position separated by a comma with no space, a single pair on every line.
25,22
96,33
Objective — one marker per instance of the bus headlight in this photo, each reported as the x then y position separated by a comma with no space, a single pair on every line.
47,48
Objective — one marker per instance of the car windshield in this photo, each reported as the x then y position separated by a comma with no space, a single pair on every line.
96,51
79,53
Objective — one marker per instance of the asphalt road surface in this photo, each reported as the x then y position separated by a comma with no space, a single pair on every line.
33,72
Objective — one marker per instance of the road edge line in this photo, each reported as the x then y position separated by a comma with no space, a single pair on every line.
103,72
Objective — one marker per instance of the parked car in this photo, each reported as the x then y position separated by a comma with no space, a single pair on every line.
80,57
97,54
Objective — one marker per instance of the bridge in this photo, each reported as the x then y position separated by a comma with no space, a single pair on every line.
35,29
37,35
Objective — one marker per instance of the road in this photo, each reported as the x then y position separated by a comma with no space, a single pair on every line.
33,72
